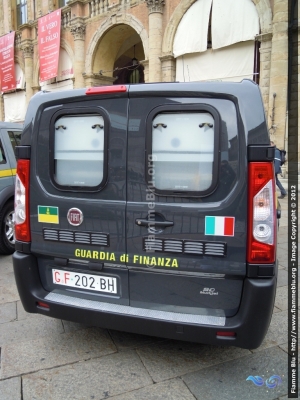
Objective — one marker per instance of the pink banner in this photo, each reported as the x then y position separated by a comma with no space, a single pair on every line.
7,62
49,44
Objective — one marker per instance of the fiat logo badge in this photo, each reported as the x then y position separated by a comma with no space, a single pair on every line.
75,216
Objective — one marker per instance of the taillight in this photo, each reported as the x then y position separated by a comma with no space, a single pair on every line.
261,213
22,227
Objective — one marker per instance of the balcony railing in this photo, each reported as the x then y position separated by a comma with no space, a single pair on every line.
99,7
66,17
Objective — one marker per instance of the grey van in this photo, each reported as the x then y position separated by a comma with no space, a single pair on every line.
10,137
151,209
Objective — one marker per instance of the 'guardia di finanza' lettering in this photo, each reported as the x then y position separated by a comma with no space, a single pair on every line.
134,259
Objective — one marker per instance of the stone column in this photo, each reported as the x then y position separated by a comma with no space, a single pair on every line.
155,8
78,32
168,67
279,71
265,40
36,89
27,49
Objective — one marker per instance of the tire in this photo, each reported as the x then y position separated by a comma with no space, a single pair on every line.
7,228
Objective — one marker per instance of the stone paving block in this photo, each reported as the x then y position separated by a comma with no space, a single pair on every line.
284,347
8,293
171,359
55,350
282,245
21,313
73,326
282,279
282,234
125,340
277,332
227,381
7,278
28,329
281,300
283,257
6,264
95,379
8,281
170,390
275,309
283,225
8,312
10,389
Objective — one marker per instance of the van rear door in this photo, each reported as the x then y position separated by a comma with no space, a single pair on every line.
78,196
187,207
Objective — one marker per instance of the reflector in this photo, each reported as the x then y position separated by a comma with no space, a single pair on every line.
226,333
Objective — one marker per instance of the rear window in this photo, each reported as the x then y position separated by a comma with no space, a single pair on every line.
79,151
183,151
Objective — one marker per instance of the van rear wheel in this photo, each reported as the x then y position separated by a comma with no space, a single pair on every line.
7,224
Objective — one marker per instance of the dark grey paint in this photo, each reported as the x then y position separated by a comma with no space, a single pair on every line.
115,208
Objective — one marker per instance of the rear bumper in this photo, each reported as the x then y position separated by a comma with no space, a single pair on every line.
250,323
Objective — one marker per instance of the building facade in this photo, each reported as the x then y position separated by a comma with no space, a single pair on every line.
131,41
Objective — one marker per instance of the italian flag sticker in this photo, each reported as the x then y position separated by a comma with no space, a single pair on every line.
219,226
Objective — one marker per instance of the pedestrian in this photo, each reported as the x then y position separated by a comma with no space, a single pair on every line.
277,162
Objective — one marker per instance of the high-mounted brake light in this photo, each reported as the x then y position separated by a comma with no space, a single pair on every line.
261,213
106,89
22,227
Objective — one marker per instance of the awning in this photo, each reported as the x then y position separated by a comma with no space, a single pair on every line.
15,106
232,21
191,34
232,63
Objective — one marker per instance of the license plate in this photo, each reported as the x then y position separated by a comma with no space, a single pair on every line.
106,284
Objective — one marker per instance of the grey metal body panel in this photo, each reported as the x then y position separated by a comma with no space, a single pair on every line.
250,323
7,192
170,279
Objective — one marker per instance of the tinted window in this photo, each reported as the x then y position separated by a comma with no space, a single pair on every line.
79,150
15,139
183,152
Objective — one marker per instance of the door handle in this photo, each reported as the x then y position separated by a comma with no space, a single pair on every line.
146,222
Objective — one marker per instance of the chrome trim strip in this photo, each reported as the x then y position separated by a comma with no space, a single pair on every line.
135,311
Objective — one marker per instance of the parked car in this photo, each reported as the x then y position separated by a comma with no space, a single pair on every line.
149,209
10,137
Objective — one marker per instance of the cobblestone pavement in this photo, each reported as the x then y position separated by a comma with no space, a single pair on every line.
45,358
